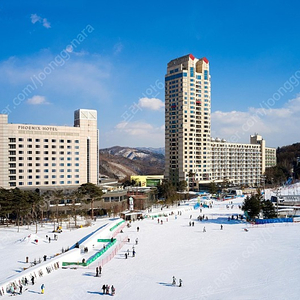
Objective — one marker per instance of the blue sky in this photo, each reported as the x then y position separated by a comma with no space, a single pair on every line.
118,65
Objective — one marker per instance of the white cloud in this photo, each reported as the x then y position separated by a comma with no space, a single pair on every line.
278,126
82,79
35,18
37,100
151,103
118,47
46,23
135,134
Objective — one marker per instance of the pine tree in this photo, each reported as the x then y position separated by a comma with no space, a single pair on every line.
268,209
252,205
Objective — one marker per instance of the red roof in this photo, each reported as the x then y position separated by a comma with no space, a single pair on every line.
192,56
205,59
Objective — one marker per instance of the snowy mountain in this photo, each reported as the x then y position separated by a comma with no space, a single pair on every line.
120,162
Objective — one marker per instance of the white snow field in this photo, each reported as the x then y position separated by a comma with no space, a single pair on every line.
261,263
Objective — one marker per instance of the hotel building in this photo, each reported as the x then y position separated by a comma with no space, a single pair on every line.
49,156
190,152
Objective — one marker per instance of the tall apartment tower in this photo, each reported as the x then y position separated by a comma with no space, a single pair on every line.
187,120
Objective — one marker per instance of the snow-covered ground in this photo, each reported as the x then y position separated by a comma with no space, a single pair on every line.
261,263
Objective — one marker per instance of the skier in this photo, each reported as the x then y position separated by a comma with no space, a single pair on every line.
100,270
136,241
221,227
107,289
180,283
49,239
133,253
125,255
174,281
104,288
32,280
26,281
21,289
42,289
204,230
97,272
138,229
113,290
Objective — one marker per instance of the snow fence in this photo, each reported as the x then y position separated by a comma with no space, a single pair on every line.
74,254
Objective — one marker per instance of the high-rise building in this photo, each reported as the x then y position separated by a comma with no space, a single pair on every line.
190,152
49,156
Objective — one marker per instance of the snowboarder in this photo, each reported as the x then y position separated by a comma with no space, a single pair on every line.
104,288
180,283
174,281
204,230
42,289
113,290
97,272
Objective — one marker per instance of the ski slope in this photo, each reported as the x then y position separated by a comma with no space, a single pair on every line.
261,263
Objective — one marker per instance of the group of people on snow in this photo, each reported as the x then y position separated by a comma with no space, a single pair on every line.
106,289
174,281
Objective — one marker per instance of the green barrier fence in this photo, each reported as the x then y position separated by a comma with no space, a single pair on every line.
93,258
118,224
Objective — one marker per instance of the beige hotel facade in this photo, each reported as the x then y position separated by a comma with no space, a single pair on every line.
49,156
190,152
